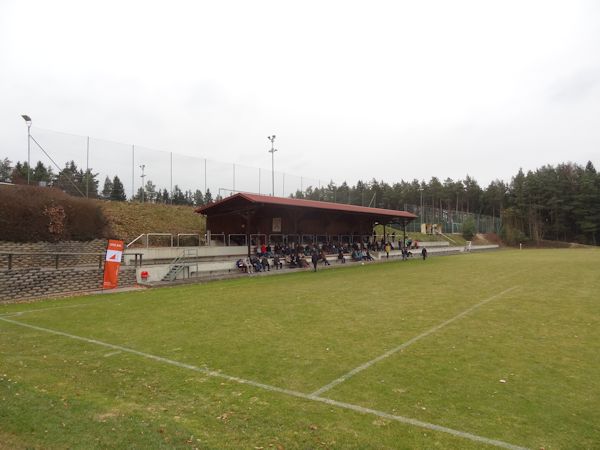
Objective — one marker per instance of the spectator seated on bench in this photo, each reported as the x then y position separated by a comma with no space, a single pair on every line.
241,265
303,263
297,260
277,262
255,262
291,261
264,262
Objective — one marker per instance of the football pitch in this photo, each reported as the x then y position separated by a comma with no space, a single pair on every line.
489,350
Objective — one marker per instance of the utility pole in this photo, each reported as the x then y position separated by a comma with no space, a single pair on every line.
143,166
28,122
272,152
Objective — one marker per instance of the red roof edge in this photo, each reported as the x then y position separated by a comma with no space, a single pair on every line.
305,203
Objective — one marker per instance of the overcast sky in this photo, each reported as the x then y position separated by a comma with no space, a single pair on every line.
353,90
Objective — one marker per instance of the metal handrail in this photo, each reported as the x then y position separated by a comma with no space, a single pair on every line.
178,261
310,240
278,235
261,238
132,242
233,234
157,234
147,235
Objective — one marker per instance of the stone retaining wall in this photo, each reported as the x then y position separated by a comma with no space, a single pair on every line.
23,261
30,283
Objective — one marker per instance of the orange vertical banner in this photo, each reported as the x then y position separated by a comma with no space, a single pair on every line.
114,254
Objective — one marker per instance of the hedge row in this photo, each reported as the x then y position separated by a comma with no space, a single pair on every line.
32,214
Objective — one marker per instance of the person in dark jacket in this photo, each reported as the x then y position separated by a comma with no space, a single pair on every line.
315,260
424,253
264,262
323,256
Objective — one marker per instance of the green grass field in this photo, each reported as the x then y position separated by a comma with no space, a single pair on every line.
487,350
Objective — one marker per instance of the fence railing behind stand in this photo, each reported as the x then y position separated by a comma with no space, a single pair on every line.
195,239
258,239
322,239
237,239
277,239
169,240
292,239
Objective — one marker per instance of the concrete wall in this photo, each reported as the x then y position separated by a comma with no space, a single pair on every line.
167,254
156,272
30,283
170,253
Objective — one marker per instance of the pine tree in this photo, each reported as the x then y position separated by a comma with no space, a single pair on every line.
178,197
89,183
19,173
140,195
107,189
67,180
150,192
165,196
118,191
198,198
5,170
41,173
208,197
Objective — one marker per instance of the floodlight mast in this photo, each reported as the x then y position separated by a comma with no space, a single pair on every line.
28,122
272,152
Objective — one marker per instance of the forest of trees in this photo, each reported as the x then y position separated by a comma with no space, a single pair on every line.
553,202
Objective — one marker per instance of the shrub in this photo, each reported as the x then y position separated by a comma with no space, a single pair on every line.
468,228
31,214
512,235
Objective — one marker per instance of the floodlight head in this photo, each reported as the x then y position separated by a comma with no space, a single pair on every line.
26,118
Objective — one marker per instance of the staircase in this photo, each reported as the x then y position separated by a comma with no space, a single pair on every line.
179,265
447,237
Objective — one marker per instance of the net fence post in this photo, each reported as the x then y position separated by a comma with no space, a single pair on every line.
132,171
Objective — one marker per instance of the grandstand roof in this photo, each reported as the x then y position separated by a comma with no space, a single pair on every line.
235,201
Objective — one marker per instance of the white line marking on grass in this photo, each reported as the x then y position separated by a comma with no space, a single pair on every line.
27,311
406,344
108,355
216,374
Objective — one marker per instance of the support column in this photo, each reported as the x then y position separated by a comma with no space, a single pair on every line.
247,216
